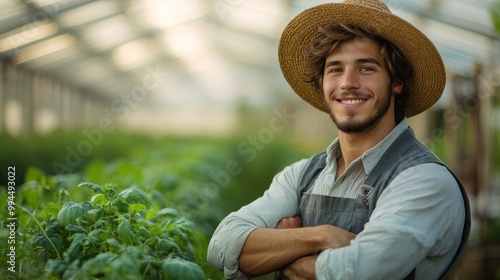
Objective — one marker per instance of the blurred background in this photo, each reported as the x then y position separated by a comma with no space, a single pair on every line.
85,81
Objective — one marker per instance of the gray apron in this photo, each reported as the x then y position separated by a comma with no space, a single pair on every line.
347,213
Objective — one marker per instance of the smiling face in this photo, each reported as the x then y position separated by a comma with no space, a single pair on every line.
357,86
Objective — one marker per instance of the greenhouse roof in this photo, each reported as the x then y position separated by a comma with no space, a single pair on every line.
221,50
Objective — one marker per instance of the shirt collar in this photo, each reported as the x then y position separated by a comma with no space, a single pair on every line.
373,155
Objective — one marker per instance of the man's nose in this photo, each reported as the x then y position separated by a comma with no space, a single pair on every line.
349,80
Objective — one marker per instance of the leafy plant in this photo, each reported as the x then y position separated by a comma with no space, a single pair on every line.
153,222
113,235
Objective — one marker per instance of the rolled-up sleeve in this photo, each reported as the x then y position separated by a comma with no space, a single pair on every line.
420,214
279,201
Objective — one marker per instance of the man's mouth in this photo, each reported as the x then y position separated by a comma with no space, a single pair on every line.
351,101
351,98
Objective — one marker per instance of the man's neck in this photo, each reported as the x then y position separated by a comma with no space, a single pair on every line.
353,145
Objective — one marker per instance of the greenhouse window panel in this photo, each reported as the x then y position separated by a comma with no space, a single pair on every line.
261,17
53,7
135,54
56,61
11,11
187,39
26,35
89,13
89,71
44,48
159,14
107,34
468,15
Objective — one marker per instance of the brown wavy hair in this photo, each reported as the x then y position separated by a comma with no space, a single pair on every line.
331,36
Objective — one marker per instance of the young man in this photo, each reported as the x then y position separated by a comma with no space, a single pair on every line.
377,204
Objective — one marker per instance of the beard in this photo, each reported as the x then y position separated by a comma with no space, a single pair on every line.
364,125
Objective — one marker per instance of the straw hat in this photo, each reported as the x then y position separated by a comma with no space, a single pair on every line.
429,76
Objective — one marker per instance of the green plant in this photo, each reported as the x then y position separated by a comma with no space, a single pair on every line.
155,220
112,235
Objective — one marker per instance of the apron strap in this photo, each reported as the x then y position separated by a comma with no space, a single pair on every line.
313,167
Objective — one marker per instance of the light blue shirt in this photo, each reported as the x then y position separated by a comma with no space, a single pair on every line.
388,247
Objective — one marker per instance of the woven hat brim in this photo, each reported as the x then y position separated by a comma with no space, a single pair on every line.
429,78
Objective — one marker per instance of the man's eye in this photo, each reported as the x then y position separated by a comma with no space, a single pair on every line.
334,70
366,69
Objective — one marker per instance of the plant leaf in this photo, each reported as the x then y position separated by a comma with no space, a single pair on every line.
98,199
168,212
125,231
92,186
52,209
135,195
166,247
56,267
144,232
99,264
41,240
114,243
70,212
76,229
125,266
179,269
75,250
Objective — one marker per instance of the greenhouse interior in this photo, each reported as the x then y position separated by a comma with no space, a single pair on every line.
130,129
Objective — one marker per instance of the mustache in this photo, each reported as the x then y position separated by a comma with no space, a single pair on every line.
350,94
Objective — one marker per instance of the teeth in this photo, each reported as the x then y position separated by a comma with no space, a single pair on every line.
351,102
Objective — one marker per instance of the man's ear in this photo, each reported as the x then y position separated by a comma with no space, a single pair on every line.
397,87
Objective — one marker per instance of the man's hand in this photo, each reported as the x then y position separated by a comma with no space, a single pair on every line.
292,222
301,269
335,237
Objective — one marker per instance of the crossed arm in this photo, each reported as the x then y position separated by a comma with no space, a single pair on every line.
289,247
408,223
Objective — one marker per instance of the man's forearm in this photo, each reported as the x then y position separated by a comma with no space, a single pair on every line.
267,250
